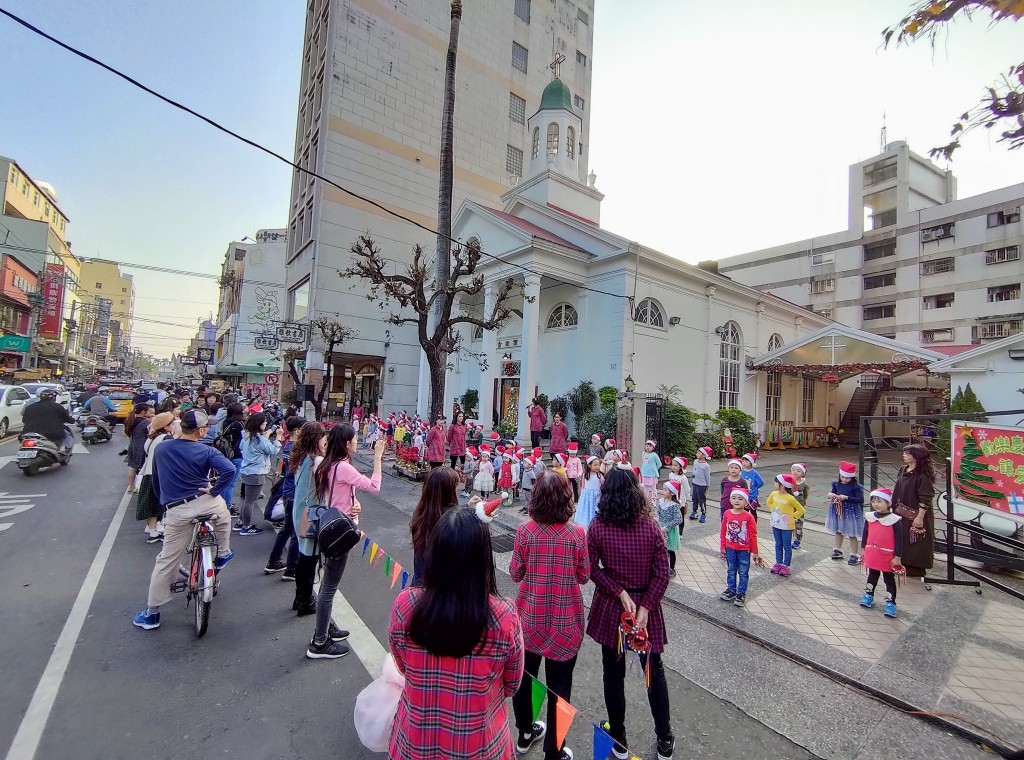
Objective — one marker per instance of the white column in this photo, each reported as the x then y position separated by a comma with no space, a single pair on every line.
490,352
528,355
583,353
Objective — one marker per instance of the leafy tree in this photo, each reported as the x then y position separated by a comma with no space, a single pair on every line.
607,394
582,400
542,401
1003,104
560,406
671,393
333,335
965,403
469,402
603,421
680,428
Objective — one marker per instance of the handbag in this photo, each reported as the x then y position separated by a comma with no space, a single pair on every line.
336,532
310,516
907,513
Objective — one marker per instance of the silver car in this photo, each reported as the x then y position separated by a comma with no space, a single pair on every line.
63,395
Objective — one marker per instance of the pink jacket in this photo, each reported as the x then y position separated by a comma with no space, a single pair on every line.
435,444
559,438
537,419
456,441
574,468
345,479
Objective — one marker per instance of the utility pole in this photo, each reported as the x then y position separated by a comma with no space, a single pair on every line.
72,325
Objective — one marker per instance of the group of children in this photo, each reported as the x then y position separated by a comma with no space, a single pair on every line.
403,430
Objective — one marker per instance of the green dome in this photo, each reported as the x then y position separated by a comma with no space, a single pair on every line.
556,95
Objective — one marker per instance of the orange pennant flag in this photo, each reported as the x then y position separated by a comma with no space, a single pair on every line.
373,552
564,714
396,570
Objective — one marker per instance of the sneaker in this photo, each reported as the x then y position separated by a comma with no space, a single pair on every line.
740,600
298,605
837,554
890,608
524,742
776,568
867,601
694,516
288,574
223,559
565,754
853,560
334,633
147,621
278,525
666,748
620,754
329,650
619,751
250,530
233,511
237,526
274,567
152,538
784,571
727,595
796,544
703,518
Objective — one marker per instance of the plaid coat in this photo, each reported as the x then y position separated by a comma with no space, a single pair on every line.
455,707
631,558
550,562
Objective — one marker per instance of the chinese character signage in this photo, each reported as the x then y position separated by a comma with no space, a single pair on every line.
266,342
53,301
988,466
291,333
204,355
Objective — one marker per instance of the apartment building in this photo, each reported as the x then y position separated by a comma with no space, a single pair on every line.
369,119
915,264
110,293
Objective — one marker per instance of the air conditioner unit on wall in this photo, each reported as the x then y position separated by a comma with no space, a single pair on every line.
927,236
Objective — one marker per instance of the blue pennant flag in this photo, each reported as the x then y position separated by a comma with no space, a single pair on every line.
603,744
366,545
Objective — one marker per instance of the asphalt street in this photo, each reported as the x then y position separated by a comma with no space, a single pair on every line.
246,689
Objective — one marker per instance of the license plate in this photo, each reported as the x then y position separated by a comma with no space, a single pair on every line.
89,429
27,455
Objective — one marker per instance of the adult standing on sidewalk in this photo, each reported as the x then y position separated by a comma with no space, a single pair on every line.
258,446
457,440
305,456
559,443
335,484
435,443
181,480
232,429
538,419
912,498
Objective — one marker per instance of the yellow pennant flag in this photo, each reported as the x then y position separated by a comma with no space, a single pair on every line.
373,552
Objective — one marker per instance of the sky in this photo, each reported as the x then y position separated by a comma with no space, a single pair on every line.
716,128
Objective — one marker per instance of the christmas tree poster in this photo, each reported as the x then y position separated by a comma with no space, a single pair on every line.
988,466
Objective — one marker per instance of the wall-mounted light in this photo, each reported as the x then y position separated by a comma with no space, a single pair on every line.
674,320
629,383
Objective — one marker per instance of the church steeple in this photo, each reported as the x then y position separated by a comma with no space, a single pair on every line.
555,131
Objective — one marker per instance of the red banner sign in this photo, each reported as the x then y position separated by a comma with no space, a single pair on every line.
988,466
53,301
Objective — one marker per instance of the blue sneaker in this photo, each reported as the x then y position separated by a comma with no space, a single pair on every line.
147,620
890,608
223,559
250,530
703,518
867,601
796,544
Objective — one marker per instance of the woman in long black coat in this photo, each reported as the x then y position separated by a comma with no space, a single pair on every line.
915,489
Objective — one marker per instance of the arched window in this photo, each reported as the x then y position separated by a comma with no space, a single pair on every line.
552,138
536,141
563,317
478,332
649,313
775,342
570,142
729,367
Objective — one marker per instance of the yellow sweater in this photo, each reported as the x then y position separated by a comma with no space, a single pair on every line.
785,510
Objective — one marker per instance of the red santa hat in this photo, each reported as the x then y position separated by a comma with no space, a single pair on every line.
882,493
519,455
802,466
787,480
485,509
652,443
472,452
674,488
560,459
706,451
847,470
591,459
681,461
538,452
574,448
508,455
636,471
623,455
595,438
741,492
530,461
609,443
751,457
485,449
500,449
494,436
735,462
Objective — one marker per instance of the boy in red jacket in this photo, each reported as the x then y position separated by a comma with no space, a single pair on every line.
739,545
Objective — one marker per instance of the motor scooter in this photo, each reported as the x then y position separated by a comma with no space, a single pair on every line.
38,452
96,430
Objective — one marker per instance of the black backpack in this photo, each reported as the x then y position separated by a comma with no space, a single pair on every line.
223,442
336,533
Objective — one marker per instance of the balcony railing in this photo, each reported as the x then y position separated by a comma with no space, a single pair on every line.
883,219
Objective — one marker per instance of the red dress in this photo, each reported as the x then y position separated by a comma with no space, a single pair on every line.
505,478
883,540
454,707
559,439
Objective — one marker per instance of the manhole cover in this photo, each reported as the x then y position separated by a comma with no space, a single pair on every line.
503,543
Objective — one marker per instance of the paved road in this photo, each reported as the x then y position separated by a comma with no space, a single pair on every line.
246,690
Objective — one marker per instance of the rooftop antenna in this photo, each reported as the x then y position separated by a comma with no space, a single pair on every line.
882,149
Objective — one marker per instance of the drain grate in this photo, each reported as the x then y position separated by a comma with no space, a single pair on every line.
502,544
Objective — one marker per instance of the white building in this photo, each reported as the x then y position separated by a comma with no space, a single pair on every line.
995,372
597,306
369,119
915,263
252,300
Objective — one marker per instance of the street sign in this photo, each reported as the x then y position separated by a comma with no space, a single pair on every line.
15,343
267,342
188,361
204,355
291,332
271,378
300,364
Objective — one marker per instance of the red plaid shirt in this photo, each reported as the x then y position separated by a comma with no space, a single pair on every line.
631,558
454,707
551,562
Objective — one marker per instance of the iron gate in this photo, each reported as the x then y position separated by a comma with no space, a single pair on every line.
654,429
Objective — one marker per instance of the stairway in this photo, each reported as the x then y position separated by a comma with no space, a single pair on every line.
862,404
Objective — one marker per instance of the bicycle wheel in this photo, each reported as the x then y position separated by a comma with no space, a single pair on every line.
202,616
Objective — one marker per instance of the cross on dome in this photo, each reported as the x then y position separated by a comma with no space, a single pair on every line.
556,64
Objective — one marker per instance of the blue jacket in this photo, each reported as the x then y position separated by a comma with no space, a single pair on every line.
288,486
256,454
756,481
304,497
181,469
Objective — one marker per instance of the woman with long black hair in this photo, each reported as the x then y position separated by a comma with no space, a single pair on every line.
440,493
335,483
305,456
258,446
458,632
629,568
912,498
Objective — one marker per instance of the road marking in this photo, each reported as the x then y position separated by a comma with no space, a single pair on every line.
360,638
12,504
80,448
30,732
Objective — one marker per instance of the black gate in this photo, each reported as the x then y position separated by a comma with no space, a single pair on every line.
654,429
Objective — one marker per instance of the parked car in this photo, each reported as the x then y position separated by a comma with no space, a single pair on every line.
121,398
13,399
63,395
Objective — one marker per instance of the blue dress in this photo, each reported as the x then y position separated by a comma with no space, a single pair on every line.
586,510
851,522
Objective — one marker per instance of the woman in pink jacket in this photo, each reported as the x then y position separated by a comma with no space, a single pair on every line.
336,481
457,440
559,436
435,444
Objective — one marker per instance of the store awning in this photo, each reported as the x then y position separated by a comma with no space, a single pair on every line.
244,369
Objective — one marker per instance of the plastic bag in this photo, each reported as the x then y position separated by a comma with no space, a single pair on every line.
277,513
376,706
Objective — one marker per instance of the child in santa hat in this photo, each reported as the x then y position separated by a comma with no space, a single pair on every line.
677,474
596,449
701,482
670,518
538,461
528,478
517,471
846,512
590,494
505,474
785,511
738,539
733,479
558,465
801,491
650,471
574,469
883,550
747,464
469,469
483,483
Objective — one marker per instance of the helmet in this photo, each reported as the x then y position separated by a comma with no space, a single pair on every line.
49,393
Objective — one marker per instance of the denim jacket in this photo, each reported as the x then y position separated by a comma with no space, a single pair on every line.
256,454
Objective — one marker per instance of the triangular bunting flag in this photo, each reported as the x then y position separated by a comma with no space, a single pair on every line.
603,744
387,566
396,570
366,545
538,691
564,713
373,552
405,579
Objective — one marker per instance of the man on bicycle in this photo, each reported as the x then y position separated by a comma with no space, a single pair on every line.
181,481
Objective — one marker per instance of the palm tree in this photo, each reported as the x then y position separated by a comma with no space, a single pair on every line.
671,393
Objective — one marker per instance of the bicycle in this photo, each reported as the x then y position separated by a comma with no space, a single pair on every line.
201,580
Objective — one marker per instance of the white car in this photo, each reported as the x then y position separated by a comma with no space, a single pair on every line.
13,399
63,394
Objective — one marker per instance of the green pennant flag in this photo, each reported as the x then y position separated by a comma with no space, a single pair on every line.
387,567
538,692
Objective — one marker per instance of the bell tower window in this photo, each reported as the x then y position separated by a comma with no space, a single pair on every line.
552,138
570,142
536,141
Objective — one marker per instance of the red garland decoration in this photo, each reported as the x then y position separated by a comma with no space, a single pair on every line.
840,369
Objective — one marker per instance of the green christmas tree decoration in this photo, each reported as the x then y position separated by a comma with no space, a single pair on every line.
972,477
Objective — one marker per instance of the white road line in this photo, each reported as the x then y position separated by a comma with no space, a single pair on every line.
30,732
360,638
80,448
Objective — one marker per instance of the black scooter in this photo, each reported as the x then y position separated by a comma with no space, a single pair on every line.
96,430
37,453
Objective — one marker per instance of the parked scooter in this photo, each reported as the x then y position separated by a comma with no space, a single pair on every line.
96,430
37,453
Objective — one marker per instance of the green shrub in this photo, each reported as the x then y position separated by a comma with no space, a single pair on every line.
966,403
680,427
607,395
559,405
542,401
288,397
742,426
602,421
469,401
582,400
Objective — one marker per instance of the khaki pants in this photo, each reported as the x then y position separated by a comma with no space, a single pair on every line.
177,532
